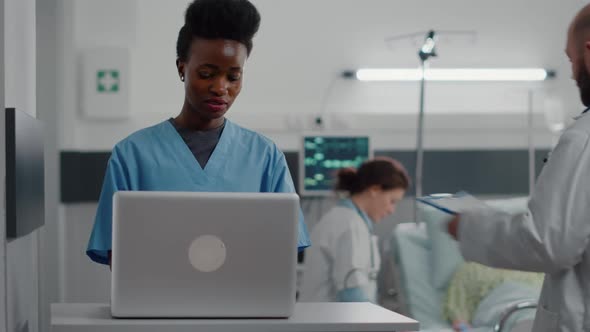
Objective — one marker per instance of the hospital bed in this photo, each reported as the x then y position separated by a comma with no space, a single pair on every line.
410,253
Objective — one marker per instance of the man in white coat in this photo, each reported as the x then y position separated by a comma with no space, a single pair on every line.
553,235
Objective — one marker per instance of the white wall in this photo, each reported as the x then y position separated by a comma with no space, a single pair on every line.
46,11
293,75
22,258
303,46
3,295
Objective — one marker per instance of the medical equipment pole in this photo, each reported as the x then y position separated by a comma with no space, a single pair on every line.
425,53
419,143
531,145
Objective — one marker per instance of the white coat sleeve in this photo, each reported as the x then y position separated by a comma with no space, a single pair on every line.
553,234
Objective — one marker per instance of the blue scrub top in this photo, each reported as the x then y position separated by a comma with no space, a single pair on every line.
157,159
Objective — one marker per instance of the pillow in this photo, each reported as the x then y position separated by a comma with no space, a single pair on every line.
445,255
412,255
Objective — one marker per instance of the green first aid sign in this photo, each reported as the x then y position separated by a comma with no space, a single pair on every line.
107,81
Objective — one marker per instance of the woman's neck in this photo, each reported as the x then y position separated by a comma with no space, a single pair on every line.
359,201
188,120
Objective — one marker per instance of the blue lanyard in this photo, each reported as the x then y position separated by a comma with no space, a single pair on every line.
350,204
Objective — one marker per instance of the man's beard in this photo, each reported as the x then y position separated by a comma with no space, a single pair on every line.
583,81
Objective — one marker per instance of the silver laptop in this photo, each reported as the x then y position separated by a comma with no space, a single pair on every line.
188,254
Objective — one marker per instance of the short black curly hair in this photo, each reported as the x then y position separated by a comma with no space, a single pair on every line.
235,20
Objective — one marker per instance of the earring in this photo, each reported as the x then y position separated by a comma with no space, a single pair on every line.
182,78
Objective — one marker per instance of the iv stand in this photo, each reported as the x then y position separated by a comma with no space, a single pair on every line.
425,53
531,145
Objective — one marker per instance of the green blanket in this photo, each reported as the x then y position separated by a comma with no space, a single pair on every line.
472,282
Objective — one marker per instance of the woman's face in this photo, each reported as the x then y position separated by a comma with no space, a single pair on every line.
212,76
382,203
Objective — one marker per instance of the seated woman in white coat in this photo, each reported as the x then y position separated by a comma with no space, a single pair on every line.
343,264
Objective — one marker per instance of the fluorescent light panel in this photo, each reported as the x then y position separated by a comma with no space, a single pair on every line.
453,74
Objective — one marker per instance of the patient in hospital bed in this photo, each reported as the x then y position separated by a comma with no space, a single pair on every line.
471,284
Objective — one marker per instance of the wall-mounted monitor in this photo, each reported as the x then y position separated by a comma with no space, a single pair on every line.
323,155
25,179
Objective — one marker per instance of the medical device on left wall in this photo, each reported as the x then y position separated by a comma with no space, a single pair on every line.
25,179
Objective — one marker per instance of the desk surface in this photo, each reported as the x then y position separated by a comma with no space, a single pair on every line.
316,317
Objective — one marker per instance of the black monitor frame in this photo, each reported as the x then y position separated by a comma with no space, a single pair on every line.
25,178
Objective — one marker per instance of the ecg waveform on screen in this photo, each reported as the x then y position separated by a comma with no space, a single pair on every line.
323,156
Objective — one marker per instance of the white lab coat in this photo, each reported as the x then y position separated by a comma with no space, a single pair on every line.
551,237
340,257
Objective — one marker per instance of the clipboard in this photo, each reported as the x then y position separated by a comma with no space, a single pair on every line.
453,203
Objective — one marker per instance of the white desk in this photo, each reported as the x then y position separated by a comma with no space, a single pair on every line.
308,317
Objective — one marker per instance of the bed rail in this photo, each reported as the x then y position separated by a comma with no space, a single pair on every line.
529,304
